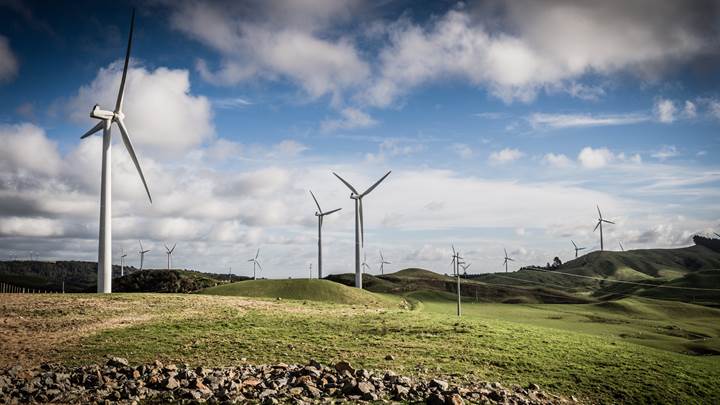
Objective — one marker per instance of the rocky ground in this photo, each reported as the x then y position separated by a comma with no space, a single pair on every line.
117,381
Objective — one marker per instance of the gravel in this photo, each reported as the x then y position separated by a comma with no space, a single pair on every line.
119,382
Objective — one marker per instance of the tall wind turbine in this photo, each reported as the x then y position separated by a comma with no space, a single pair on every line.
365,266
359,231
123,255
457,262
107,118
320,214
142,255
169,253
599,224
255,263
577,249
507,259
383,262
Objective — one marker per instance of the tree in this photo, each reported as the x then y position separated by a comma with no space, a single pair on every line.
557,262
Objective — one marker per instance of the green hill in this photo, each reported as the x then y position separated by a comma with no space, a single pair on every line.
301,289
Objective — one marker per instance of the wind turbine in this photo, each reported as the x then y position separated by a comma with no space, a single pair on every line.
383,262
457,262
310,269
359,231
107,118
320,214
621,247
169,253
142,255
255,263
123,255
577,249
599,224
507,259
364,264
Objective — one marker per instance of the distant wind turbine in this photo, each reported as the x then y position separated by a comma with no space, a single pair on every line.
457,262
599,224
507,259
123,255
465,267
383,262
577,249
365,266
142,255
320,214
107,118
256,263
169,253
310,269
359,231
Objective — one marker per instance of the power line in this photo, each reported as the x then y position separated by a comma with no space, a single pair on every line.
630,282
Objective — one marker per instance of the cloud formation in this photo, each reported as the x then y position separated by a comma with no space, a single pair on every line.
8,62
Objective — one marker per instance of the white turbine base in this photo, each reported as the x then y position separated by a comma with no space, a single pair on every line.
105,238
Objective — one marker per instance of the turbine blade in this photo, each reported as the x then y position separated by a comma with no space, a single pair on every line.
316,201
512,260
173,249
94,129
257,254
121,93
596,226
376,184
573,243
599,213
346,183
330,212
131,151
167,248
141,248
505,252
362,224
453,248
609,222
258,263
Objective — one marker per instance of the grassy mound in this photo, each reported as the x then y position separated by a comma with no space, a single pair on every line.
300,289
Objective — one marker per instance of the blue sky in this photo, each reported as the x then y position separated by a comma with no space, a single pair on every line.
504,125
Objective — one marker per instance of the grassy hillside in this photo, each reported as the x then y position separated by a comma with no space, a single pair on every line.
301,289
628,351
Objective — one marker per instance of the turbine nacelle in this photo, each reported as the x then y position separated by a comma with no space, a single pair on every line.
101,114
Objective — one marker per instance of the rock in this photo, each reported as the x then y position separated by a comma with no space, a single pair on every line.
314,391
440,384
172,383
454,399
400,392
252,382
344,366
117,362
296,391
435,398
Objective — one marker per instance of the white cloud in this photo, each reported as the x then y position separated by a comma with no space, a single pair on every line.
506,155
33,227
539,45
8,62
160,110
591,158
690,110
289,148
665,152
714,108
393,147
351,118
665,110
560,121
25,147
231,103
272,40
462,150
559,160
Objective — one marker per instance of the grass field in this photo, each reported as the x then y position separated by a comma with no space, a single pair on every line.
599,353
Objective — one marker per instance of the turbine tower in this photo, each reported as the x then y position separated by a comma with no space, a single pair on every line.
255,263
123,255
169,253
107,118
599,224
507,259
577,249
142,255
320,214
359,231
457,262
383,262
